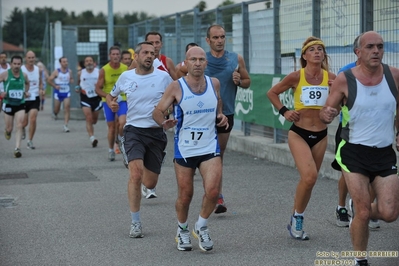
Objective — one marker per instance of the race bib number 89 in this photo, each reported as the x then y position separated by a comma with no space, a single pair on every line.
314,95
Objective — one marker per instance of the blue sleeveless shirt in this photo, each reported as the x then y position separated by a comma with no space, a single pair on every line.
222,68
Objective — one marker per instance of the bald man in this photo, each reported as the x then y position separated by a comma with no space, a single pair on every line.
365,154
32,103
196,143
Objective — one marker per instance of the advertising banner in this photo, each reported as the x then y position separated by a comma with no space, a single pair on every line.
253,106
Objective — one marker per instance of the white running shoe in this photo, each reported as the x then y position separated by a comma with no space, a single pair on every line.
148,193
204,240
66,129
135,230
30,145
183,240
93,141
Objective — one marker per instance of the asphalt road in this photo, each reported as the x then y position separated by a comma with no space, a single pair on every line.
64,203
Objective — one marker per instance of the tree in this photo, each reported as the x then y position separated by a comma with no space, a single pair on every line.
201,6
228,14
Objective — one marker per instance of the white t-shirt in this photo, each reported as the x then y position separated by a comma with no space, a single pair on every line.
143,93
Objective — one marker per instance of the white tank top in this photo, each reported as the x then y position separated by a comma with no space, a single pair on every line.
88,82
62,80
34,79
371,118
195,132
1,71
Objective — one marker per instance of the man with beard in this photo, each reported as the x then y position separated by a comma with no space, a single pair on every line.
89,100
144,141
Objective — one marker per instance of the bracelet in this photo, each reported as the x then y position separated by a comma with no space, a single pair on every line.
283,110
77,87
239,83
397,133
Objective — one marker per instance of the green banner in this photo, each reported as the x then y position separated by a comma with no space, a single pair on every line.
253,106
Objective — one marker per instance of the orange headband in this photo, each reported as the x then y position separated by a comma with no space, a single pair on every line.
312,43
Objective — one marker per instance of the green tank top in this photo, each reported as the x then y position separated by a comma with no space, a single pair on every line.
15,89
111,75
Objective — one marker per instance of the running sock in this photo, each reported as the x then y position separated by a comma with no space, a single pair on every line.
201,222
135,216
182,226
340,207
298,214
109,150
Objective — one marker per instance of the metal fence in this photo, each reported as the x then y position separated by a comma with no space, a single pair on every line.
268,34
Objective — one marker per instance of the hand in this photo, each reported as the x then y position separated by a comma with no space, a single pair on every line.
169,123
114,105
327,114
292,116
236,76
222,121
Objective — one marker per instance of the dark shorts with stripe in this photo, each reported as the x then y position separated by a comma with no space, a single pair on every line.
94,103
194,162
365,160
35,104
311,138
12,109
338,139
147,144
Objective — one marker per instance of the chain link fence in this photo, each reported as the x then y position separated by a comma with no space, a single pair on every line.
268,34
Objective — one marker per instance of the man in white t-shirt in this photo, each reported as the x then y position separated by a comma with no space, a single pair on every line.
32,103
143,142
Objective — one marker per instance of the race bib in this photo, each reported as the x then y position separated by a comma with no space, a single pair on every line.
192,137
31,97
15,94
314,95
91,92
64,88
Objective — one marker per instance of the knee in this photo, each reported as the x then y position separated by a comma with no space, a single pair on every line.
135,176
212,193
362,213
389,215
309,180
185,198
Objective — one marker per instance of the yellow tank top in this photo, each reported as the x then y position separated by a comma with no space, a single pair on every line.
307,96
111,75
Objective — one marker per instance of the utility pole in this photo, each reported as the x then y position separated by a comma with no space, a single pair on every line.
110,24
1,26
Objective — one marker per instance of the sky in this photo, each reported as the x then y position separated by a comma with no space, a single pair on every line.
163,7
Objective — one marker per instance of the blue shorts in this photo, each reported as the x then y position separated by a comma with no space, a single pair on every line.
110,116
60,96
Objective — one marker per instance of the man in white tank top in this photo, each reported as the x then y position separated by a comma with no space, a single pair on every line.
196,143
4,66
89,100
32,103
365,154
60,80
